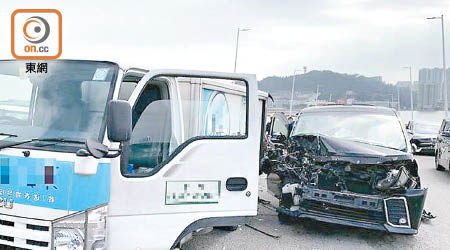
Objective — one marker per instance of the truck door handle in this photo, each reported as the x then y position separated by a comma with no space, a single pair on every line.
236,184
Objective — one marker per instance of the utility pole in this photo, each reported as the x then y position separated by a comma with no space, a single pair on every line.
398,98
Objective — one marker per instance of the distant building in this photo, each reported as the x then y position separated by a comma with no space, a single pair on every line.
430,89
403,84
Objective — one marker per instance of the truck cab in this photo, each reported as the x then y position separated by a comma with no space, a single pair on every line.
96,157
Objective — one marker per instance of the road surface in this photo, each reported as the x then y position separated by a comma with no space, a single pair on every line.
309,234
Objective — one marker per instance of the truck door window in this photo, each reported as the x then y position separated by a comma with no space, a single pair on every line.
126,89
160,130
150,139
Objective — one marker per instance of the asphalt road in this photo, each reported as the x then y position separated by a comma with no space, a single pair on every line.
309,234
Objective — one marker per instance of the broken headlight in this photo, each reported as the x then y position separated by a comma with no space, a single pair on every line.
396,178
87,228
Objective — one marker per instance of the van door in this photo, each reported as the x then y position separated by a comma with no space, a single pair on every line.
279,128
169,182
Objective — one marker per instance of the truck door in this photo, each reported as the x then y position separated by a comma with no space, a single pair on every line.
169,180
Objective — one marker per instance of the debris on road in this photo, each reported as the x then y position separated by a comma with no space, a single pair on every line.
261,231
427,216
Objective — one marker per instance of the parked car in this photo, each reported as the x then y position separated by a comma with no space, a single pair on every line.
442,155
423,136
349,165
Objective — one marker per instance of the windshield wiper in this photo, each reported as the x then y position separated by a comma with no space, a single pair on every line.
9,135
64,140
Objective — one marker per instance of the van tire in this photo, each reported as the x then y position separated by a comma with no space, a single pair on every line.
284,218
439,167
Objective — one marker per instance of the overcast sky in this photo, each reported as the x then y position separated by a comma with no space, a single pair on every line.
368,37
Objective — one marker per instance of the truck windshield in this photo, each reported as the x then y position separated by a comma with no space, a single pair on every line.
372,128
54,99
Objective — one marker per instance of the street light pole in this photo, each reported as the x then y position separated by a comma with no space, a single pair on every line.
444,73
237,47
292,93
411,92
317,93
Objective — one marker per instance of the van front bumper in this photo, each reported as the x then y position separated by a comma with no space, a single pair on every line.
408,206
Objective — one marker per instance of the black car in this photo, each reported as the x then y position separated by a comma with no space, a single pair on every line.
442,156
349,165
423,136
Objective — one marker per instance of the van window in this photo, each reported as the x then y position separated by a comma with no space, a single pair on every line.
447,126
162,127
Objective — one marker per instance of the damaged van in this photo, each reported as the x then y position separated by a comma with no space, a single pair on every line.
349,165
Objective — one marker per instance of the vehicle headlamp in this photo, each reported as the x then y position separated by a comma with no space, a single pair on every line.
396,178
81,231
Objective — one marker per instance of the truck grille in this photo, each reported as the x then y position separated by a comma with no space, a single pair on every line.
24,234
397,212
344,212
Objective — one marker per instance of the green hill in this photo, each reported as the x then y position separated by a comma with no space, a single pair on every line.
337,84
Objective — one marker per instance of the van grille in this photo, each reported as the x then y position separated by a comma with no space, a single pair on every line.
396,212
18,233
344,212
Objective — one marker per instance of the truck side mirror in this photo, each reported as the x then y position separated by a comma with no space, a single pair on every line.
118,121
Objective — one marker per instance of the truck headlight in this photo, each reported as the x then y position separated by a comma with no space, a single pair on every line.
87,228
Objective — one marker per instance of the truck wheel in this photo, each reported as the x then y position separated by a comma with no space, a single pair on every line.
228,228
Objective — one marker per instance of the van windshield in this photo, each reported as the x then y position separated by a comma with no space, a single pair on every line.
372,128
54,99
424,128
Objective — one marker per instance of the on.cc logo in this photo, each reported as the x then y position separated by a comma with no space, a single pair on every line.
36,34
36,29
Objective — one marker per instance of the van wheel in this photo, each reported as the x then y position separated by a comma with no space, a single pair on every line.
439,167
228,228
284,218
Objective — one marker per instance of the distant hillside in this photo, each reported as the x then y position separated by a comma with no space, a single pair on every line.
364,88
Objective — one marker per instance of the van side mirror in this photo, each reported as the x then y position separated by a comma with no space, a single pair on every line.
445,133
118,121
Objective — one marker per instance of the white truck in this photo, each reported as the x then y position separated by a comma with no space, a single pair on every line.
96,157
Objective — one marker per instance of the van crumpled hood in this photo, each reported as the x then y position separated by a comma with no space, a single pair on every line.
337,148
340,165
51,184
